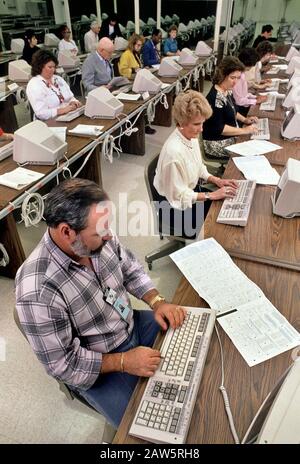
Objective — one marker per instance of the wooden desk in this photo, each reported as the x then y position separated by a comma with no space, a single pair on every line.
247,387
266,238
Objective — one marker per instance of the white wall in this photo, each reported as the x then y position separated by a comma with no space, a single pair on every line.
59,11
4,7
268,11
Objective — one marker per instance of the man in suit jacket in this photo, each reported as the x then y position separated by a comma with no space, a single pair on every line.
96,69
150,53
110,27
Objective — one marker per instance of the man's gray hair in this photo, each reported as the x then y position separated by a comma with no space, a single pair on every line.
95,24
70,202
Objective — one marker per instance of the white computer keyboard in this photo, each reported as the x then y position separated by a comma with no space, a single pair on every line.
167,405
6,150
269,104
71,115
122,89
263,130
274,87
273,70
235,211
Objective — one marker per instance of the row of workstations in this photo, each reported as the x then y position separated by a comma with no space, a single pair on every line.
80,147
267,250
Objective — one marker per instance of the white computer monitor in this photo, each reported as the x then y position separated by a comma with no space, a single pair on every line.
67,59
295,78
187,58
120,44
293,64
292,96
36,143
102,104
290,128
145,82
296,41
286,198
292,52
169,67
19,71
202,49
51,40
17,46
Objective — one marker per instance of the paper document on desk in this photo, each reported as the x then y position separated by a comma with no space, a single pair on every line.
86,130
257,168
19,178
254,325
253,147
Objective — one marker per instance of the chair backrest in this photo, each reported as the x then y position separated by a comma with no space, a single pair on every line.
149,178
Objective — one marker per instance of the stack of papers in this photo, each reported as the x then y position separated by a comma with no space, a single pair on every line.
86,130
253,147
19,178
257,168
254,325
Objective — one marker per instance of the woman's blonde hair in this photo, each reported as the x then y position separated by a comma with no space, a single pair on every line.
188,105
133,39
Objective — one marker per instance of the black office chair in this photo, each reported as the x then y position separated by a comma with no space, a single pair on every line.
109,431
164,230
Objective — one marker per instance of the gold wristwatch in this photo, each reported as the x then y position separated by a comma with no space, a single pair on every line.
156,299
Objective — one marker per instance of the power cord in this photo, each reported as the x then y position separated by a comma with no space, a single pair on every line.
5,258
225,396
32,209
178,87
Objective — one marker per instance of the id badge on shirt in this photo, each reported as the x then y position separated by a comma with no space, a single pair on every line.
120,306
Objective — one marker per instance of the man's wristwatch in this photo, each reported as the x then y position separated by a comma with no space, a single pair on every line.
156,299
206,196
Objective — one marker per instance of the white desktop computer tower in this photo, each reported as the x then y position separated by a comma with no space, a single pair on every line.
292,96
286,198
292,52
102,104
202,49
290,128
187,58
51,40
169,68
295,79
67,59
36,143
293,64
17,46
120,44
145,82
19,71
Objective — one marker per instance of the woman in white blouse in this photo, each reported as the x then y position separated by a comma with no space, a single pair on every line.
48,94
180,166
66,43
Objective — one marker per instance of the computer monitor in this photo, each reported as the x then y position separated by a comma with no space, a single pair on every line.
145,82
102,104
169,68
35,143
290,128
296,41
293,96
120,44
292,52
51,40
295,78
19,71
67,59
17,46
286,198
187,57
293,64
202,49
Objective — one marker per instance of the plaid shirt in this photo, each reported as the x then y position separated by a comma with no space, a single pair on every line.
62,311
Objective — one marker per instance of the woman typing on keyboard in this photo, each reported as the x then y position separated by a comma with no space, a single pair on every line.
48,94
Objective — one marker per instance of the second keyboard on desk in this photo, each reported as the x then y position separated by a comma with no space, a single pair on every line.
71,115
6,150
167,405
263,130
269,104
235,211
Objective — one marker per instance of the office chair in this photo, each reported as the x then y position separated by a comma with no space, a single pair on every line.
174,242
109,431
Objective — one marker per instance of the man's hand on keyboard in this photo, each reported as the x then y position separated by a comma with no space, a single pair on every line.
174,314
141,361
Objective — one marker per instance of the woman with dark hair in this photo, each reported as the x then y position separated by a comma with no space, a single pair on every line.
48,94
130,60
170,44
243,98
222,127
30,46
66,43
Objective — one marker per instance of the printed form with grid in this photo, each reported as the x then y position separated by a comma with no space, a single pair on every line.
167,405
